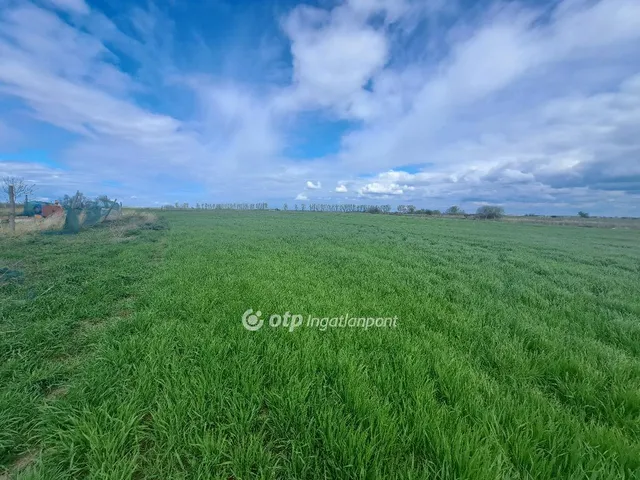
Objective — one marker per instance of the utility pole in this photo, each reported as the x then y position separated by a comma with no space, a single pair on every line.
12,208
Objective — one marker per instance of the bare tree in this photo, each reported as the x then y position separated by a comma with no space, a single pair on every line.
20,187
14,187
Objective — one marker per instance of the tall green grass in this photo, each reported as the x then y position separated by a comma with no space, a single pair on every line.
516,353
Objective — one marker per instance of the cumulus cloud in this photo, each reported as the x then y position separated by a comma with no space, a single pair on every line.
377,188
301,196
332,79
512,105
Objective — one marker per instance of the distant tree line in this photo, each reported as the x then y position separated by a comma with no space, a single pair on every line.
217,206
412,210
344,207
484,212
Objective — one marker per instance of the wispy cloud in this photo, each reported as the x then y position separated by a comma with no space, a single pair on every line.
74,6
519,105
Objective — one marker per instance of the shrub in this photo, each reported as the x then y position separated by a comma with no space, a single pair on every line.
455,210
490,212
582,214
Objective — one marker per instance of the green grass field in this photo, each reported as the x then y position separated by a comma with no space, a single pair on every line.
516,353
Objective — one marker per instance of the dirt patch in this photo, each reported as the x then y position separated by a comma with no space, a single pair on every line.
123,239
57,392
22,462
92,324
126,307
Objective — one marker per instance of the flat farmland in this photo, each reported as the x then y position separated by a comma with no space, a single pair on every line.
514,350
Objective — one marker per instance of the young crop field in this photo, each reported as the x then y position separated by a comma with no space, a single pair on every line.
514,352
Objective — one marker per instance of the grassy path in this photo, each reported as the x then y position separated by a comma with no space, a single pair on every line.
60,297
517,354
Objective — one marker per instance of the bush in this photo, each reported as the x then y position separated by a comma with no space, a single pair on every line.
583,214
455,210
490,212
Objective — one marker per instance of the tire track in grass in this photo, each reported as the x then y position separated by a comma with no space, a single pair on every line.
52,339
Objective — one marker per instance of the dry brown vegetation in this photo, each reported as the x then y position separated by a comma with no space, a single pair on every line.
129,223
594,222
27,225
121,226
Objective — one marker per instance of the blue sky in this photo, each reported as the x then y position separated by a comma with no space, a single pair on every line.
531,105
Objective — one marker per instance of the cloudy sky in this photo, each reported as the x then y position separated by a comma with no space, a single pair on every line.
533,105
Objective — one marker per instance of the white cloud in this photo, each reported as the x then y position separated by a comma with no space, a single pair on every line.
44,177
72,83
518,45
59,80
515,105
74,6
334,55
301,196
392,8
377,188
